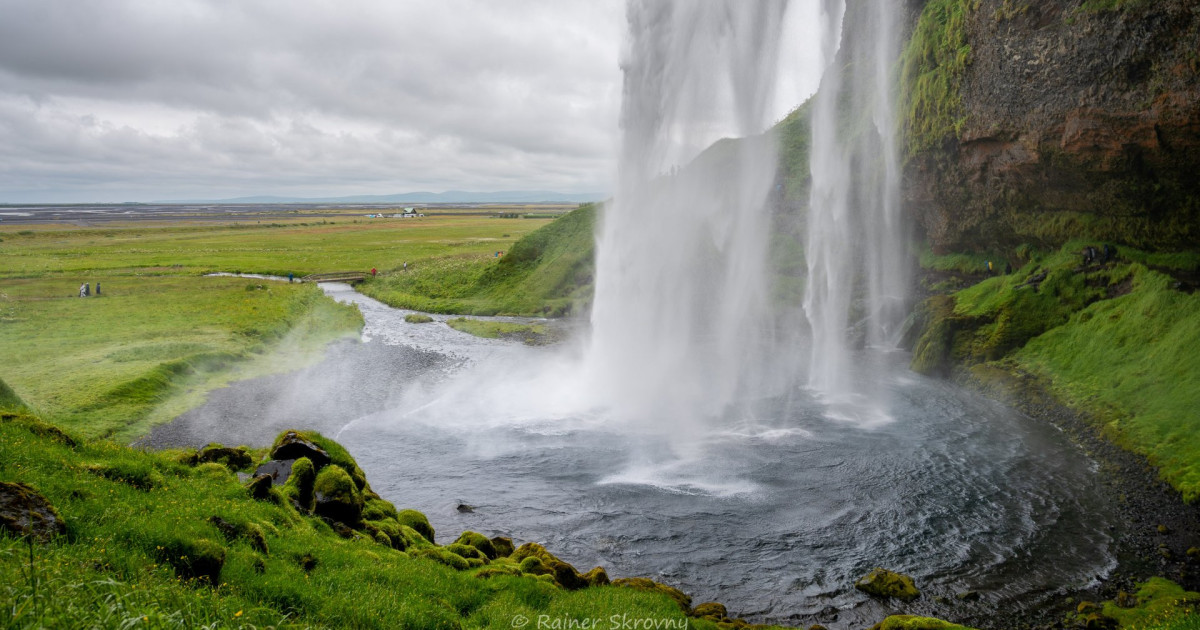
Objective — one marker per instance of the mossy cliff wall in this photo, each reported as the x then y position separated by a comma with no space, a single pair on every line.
1038,121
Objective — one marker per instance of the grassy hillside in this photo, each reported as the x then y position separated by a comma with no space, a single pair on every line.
547,272
1114,339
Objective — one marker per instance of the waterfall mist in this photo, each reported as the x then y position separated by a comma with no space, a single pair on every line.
681,325
857,263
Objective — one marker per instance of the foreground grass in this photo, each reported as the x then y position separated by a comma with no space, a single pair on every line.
103,366
1115,340
548,272
137,522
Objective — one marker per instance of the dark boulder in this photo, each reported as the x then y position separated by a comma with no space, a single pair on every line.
292,445
25,512
260,487
278,469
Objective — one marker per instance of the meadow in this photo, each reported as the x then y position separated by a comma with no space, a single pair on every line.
161,334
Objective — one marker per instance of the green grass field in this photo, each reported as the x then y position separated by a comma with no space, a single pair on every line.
161,335
299,247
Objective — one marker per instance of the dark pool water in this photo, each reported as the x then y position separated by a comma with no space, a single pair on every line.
775,510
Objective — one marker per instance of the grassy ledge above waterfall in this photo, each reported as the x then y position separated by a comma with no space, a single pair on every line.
1114,339
548,272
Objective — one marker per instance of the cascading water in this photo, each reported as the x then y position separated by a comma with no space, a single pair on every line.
858,270
681,313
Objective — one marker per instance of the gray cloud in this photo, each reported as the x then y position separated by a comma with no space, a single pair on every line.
141,99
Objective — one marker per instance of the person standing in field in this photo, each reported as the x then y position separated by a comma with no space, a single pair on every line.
373,272
83,290
97,289
290,276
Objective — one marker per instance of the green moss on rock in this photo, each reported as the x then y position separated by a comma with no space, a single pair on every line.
888,584
336,496
480,542
300,484
418,522
910,622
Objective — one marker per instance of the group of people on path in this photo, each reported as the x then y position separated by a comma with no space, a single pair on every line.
85,289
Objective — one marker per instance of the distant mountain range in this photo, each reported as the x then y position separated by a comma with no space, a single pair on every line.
450,196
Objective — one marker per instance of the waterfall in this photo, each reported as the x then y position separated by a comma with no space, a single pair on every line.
681,322
858,270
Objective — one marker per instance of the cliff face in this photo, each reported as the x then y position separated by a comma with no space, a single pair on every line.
1061,120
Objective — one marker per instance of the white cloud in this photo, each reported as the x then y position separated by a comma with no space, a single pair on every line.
143,99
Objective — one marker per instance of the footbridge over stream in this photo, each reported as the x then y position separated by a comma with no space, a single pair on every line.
351,277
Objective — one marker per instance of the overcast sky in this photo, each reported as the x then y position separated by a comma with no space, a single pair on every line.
138,100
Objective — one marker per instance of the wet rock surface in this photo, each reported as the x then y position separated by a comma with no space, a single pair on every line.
1069,111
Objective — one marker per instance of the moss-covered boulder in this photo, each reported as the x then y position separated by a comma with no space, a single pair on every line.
235,458
886,584
445,557
417,521
378,509
648,585
596,577
294,445
503,545
259,487
713,611
910,622
564,574
466,551
480,542
335,496
25,512
299,486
